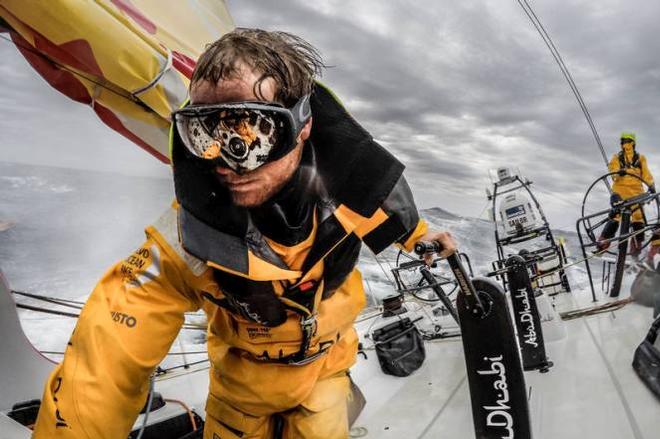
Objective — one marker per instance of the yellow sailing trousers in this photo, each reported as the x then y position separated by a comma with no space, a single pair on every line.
323,414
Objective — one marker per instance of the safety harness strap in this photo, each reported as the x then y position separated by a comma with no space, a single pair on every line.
635,163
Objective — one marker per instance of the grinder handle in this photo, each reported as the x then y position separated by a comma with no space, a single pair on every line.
464,283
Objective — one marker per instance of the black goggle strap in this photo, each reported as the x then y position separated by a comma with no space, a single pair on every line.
301,112
173,126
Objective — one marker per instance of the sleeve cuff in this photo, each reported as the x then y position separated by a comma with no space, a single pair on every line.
419,231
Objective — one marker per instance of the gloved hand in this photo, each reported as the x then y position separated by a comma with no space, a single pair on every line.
652,189
622,172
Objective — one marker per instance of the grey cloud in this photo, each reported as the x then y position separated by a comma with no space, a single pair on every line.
457,88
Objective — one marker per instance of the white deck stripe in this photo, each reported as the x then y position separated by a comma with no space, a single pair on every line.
617,385
444,406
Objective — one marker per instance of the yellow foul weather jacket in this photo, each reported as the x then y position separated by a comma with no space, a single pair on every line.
628,186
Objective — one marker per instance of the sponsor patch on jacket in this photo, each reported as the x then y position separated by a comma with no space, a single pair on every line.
141,266
257,332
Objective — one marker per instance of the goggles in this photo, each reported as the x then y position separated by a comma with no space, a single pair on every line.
627,141
241,135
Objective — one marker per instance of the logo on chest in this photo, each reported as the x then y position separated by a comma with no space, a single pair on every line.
258,332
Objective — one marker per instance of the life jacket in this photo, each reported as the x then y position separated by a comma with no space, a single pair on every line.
634,163
361,197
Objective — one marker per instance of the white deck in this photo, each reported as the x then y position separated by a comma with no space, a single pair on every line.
591,392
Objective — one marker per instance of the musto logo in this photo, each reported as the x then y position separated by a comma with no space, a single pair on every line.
499,412
526,318
123,319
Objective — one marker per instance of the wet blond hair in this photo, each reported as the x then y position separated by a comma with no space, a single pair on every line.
289,60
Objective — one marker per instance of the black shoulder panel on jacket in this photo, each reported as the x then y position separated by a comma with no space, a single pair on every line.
357,171
401,222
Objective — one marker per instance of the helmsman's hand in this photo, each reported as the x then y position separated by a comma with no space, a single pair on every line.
446,242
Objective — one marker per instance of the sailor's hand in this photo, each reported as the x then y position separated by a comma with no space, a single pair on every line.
652,189
446,242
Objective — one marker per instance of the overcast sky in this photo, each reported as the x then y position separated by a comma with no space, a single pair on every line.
451,88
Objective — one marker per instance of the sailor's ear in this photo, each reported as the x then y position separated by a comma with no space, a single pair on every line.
306,131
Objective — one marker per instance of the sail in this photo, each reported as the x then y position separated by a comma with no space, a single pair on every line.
130,60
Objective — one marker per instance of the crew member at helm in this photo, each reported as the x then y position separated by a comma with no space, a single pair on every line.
277,187
629,165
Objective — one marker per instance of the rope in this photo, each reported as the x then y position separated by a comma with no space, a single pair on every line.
369,316
130,97
148,409
73,72
47,311
54,300
169,353
183,372
161,371
48,298
564,70
383,270
562,199
69,303
599,309
187,409
192,327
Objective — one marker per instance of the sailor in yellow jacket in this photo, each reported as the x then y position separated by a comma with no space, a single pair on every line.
277,187
627,186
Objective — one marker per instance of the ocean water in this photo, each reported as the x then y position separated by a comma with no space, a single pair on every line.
61,229
68,226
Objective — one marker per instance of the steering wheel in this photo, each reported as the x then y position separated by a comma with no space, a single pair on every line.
600,188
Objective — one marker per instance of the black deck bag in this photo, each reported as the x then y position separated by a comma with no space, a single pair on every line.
399,347
646,361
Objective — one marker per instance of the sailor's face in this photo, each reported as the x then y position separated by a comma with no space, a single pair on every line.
249,189
627,146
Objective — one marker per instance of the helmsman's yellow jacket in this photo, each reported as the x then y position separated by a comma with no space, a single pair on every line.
628,186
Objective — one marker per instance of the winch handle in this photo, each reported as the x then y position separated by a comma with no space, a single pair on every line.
423,247
464,283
